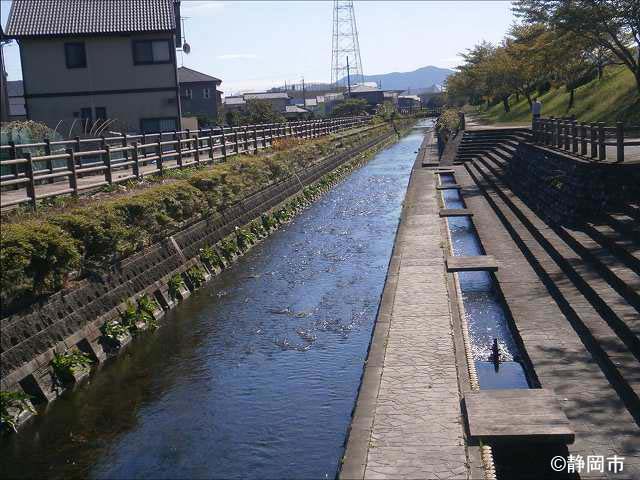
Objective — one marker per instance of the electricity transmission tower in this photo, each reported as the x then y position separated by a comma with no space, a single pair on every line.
345,59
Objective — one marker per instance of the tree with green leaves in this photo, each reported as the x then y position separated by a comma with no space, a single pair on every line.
350,107
610,24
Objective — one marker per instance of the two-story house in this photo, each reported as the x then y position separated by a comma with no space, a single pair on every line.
198,93
95,61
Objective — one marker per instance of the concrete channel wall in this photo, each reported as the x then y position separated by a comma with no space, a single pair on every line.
567,189
73,318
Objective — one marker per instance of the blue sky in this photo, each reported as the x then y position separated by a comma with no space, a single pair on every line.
255,45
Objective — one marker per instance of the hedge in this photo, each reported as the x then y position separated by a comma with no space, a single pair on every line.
38,255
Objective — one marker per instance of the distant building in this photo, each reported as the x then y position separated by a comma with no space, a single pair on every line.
409,102
234,104
373,95
198,94
15,93
87,61
294,112
277,100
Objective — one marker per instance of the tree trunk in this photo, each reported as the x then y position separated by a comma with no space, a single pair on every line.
505,103
571,95
517,97
529,100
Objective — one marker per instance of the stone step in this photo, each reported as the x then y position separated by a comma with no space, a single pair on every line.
595,328
613,269
617,242
624,223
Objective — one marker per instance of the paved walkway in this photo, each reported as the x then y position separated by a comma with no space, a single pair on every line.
408,422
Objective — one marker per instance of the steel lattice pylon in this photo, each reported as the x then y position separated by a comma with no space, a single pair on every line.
345,44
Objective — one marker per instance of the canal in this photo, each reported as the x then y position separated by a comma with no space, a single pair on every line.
253,376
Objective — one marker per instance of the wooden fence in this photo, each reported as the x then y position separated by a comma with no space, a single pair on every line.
588,140
89,163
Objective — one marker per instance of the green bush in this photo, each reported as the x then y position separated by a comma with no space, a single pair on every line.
35,258
211,257
196,275
175,284
16,401
70,362
114,330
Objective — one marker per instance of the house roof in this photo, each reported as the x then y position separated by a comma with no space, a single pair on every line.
364,88
265,95
295,109
234,101
81,17
187,75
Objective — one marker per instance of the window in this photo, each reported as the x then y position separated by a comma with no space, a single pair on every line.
153,125
188,93
146,52
206,93
85,114
75,55
101,113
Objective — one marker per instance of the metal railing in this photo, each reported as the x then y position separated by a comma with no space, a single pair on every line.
588,140
90,163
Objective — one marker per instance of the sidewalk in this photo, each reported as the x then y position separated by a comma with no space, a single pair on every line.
408,422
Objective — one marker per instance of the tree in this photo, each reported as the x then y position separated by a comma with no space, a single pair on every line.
349,107
260,111
611,24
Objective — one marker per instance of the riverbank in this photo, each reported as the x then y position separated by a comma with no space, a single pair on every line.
161,275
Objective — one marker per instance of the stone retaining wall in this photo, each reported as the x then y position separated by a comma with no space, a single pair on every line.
567,189
73,318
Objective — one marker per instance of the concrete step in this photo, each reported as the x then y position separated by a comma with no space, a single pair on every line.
611,267
624,223
617,242
607,336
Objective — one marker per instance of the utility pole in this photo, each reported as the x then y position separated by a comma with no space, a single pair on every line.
348,78
304,94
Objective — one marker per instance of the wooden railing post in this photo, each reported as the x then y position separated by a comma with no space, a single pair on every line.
71,165
583,138
246,139
177,137
49,162
124,145
107,162
602,149
13,154
558,142
574,137
211,145
255,140
237,142
159,154
196,154
594,140
223,139
136,161
619,142
31,185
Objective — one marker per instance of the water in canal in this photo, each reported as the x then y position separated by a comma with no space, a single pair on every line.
253,376
484,309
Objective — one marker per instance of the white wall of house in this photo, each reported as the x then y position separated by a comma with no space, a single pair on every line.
55,92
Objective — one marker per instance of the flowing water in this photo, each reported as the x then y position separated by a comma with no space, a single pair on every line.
256,374
484,309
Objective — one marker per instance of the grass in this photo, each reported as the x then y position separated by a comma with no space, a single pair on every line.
614,98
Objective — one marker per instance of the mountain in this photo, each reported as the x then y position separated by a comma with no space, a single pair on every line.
419,79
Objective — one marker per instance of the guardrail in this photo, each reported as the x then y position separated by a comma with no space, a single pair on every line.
588,140
94,162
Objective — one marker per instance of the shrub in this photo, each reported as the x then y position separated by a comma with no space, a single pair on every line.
133,315
114,330
228,247
175,284
35,258
211,257
16,401
147,305
196,275
70,362
244,238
